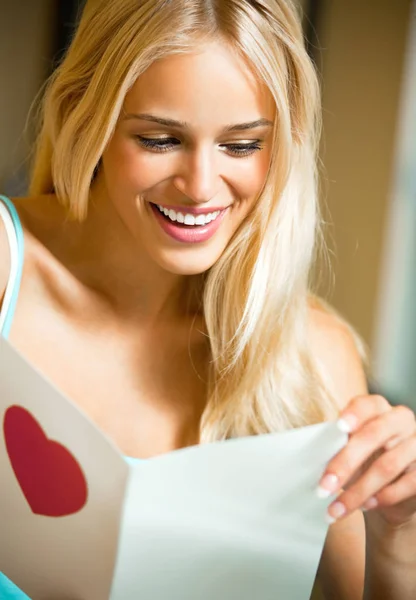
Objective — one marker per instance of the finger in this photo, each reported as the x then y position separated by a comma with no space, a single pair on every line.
401,489
353,458
411,422
360,410
388,469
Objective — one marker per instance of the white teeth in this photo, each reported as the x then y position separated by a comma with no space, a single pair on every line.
188,219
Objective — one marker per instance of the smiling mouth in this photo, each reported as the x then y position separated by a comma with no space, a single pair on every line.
195,228
184,219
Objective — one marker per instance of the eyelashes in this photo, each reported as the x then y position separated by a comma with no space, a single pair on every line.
167,144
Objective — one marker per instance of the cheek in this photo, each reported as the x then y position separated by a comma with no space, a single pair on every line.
128,168
250,181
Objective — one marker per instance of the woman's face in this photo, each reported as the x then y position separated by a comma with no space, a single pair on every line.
180,147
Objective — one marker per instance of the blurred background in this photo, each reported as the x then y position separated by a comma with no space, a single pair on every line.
365,51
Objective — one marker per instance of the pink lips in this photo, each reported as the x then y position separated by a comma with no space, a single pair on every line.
189,234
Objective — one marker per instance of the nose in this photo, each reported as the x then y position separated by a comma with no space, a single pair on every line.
199,178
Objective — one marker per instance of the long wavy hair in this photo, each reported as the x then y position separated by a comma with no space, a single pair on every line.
257,298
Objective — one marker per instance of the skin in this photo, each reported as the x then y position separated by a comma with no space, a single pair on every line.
116,279
378,462
206,91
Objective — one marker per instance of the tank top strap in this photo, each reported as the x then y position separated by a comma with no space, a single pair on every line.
14,232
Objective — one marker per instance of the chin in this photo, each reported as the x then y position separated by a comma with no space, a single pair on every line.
195,264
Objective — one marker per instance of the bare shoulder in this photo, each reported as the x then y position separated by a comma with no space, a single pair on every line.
339,350
341,355
36,214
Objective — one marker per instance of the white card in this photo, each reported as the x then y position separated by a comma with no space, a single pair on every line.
230,520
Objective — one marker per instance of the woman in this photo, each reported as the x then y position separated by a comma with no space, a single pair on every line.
169,235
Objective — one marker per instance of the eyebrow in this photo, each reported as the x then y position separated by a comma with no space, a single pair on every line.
182,125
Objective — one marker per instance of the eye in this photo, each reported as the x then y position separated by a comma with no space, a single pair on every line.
244,149
158,144
167,144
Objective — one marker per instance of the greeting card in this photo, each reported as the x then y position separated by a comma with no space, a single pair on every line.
233,520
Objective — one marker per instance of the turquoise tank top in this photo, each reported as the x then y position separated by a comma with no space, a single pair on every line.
14,230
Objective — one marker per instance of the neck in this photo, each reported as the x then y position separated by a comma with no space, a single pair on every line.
108,258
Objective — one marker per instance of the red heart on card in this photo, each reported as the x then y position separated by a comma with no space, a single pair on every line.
50,478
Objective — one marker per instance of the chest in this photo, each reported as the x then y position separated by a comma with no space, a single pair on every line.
145,390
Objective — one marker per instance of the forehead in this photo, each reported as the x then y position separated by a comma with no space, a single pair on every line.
210,84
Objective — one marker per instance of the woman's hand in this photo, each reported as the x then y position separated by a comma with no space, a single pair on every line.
377,468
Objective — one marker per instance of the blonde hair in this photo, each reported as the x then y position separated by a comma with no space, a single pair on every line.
256,298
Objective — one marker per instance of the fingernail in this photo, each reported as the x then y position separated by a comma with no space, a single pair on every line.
347,423
329,519
371,503
336,510
327,486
